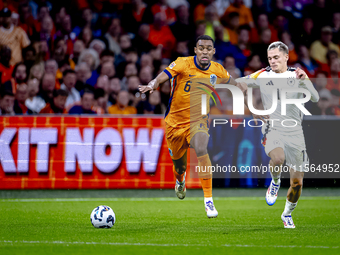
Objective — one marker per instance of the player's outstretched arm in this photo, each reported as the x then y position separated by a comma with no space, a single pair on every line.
241,85
162,77
250,82
304,82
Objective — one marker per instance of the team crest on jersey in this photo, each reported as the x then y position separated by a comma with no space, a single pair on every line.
213,79
172,65
291,81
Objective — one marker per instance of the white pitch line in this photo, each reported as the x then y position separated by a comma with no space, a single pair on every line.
160,199
168,244
96,243
281,246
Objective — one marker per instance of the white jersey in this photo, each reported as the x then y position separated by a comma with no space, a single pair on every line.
269,82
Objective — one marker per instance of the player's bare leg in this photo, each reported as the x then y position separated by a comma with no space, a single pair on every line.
293,194
277,158
295,189
200,143
179,168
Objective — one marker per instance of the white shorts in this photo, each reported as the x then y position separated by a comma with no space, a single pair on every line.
293,146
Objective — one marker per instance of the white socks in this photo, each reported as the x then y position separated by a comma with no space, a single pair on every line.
206,199
289,208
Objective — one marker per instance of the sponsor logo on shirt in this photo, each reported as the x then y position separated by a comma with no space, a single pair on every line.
270,83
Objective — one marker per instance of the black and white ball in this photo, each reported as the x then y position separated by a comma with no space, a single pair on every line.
103,217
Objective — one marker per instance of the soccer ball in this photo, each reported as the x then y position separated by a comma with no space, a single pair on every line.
103,217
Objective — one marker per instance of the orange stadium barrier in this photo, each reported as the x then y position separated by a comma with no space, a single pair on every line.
85,153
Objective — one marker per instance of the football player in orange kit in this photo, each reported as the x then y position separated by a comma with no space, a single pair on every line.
185,127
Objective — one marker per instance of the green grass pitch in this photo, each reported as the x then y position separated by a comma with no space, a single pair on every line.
245,225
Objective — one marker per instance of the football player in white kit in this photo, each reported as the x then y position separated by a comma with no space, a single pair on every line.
283,143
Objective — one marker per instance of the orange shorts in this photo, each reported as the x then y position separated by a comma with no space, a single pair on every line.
178,138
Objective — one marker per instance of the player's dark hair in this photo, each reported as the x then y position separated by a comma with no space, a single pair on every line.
204,37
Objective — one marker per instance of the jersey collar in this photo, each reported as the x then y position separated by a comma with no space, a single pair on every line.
195,60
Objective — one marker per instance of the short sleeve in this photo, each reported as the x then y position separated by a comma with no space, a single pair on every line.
225,75
176,67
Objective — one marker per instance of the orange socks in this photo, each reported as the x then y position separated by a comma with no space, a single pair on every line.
205,175
207,187
179,177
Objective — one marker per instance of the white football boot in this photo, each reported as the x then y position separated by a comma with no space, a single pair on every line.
271,194
180,188
287,221
210,209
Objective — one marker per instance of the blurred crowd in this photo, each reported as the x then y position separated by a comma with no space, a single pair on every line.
89,56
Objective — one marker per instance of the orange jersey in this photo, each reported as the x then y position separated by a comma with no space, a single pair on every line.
188,82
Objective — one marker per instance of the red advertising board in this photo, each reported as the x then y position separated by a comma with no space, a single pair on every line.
39,152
